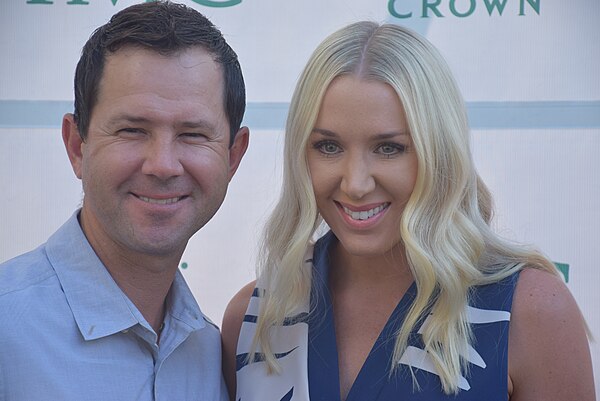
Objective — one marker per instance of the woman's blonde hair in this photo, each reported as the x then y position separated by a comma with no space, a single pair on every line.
445,226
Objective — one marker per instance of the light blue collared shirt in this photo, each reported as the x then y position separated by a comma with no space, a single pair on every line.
68,332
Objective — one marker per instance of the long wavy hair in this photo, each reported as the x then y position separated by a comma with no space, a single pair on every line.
445,225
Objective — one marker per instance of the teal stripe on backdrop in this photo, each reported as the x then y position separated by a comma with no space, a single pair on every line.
271,116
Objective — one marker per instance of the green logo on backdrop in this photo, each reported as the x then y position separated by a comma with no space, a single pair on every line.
563,268
458,8
207,3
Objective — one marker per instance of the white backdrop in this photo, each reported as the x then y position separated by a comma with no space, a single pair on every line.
530,82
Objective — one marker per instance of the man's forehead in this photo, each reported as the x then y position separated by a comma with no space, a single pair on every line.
131,49
140,88
195,122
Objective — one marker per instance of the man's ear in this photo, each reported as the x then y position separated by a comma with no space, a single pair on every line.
237,149
73,143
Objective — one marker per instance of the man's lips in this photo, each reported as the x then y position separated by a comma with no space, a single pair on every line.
160,201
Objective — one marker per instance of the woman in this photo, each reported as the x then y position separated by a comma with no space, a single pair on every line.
410,294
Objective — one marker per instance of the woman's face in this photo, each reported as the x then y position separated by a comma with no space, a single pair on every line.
362,164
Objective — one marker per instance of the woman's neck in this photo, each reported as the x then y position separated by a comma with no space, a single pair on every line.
390,270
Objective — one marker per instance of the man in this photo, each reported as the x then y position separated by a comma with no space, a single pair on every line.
100,311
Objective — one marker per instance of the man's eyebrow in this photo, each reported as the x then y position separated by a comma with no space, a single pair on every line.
128,118
198,124
190,124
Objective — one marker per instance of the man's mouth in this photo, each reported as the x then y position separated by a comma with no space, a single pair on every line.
166,201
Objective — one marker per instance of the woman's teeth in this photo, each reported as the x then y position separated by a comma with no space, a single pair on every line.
366,214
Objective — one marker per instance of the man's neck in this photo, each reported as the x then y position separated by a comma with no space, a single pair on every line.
146,282
145,278
147,291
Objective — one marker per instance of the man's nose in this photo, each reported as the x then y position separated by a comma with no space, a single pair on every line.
162,159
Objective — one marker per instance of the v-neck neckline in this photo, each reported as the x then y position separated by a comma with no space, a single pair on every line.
323,365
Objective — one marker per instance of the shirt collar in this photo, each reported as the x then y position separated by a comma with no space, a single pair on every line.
99,306
182,305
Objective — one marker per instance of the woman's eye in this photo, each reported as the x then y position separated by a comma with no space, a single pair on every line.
327,147
390,149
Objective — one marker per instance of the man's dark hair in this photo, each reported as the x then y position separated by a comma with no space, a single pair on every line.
166,28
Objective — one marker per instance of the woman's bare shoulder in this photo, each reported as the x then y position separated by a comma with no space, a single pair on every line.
230,331
236,309
549,356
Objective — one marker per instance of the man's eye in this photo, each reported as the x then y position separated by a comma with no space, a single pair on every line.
130,131
194,136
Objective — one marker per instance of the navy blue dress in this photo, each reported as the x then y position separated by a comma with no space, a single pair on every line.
488,313
486,380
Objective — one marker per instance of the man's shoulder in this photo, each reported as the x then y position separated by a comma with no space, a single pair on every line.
25,271
210,323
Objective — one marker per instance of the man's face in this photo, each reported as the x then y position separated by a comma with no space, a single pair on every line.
156,162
